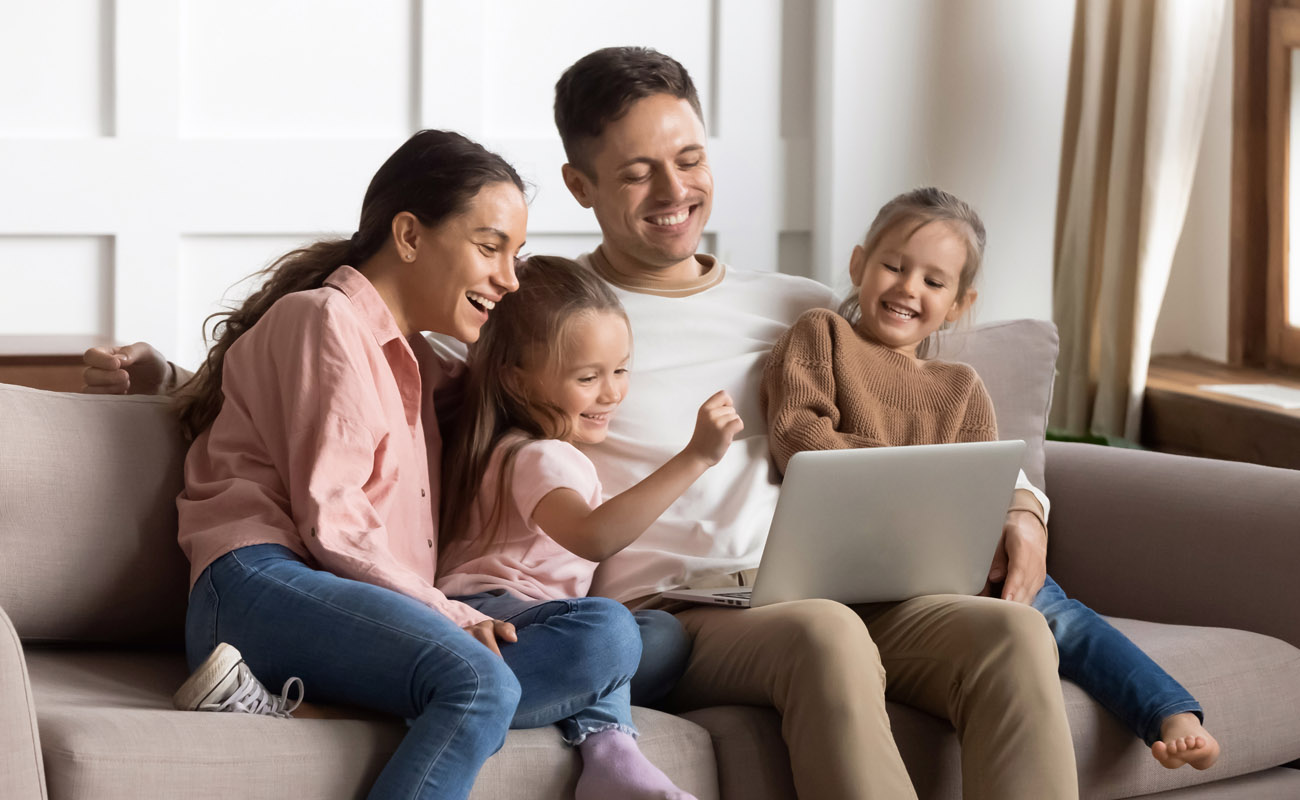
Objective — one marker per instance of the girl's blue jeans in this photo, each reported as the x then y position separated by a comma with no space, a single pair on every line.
1110,668
355,643
665,645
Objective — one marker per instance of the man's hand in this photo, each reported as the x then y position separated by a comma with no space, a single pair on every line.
1020,563
133,369
489,630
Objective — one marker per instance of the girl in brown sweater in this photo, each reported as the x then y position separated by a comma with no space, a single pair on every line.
861,378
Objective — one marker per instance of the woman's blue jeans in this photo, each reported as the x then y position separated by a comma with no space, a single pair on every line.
355,643
1110,668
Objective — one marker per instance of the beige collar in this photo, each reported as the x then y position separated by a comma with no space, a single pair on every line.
648,284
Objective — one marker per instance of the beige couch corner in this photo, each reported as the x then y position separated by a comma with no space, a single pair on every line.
94,584
22,772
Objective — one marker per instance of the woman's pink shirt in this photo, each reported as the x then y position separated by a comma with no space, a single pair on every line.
320,446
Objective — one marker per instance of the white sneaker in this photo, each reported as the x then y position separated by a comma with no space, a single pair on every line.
225,683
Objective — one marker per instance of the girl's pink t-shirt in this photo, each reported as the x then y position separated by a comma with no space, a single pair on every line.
522,559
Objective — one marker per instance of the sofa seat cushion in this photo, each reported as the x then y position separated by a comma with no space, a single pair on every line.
108,731
1248,684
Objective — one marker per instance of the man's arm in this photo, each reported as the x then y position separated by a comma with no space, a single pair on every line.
131,369
1020,563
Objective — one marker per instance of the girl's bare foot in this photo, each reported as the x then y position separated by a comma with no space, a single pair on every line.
1183,740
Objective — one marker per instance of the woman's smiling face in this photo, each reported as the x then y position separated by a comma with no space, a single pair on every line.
465,264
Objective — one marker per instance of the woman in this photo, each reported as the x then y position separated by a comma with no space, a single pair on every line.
311,488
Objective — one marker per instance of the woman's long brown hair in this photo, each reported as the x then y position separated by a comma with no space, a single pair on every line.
528,329
434,176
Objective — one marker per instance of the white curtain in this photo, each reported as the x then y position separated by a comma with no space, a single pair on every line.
1140,80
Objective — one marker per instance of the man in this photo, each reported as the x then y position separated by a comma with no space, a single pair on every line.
636,146
633,133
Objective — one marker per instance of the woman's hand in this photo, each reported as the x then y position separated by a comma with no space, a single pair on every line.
490,630
715,425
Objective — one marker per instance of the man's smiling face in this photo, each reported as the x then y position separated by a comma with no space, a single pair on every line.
651,187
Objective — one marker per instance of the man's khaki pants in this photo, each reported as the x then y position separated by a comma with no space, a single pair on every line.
987,665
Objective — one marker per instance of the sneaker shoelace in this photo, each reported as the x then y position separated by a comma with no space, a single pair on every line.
251,697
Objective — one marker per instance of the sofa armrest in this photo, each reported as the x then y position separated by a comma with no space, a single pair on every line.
1175,539
22,773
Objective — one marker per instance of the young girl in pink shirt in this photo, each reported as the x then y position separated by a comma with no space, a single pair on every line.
522,518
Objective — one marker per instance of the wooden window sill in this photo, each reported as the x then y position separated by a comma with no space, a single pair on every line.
57,373
1180,417
50,362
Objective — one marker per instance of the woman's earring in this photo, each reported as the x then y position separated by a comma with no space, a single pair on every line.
410,256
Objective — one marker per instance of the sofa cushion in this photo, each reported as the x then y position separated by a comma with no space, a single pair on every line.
753,762
1248,684
1017,361
21,770
88,485
109,732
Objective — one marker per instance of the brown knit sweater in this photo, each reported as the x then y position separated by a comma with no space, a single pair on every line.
827,388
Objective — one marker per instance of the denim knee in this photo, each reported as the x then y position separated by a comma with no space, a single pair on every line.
612,644
665,651
1065,615
662,632
481,682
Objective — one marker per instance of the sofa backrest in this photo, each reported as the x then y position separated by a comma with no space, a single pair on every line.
88,487
1017,361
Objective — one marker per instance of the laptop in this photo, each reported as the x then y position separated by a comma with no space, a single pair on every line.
881,524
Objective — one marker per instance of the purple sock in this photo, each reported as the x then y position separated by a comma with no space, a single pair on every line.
613,766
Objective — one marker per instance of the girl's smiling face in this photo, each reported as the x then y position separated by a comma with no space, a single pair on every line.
908,285
591,380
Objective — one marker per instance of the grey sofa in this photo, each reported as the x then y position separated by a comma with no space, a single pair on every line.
1197,556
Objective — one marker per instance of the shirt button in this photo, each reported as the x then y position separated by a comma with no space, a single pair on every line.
431,543
422,493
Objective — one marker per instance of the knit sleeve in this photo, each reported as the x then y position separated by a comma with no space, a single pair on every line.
798,392
979,424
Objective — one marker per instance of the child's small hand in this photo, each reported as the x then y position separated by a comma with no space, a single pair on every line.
715,426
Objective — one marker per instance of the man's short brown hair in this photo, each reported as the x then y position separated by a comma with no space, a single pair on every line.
601,86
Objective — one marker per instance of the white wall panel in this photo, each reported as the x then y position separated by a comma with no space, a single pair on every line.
234,122
750,186
569,245
56,286
55,75
296,68
521,66
968,95
216,273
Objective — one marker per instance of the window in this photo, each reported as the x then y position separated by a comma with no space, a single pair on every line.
1264,324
